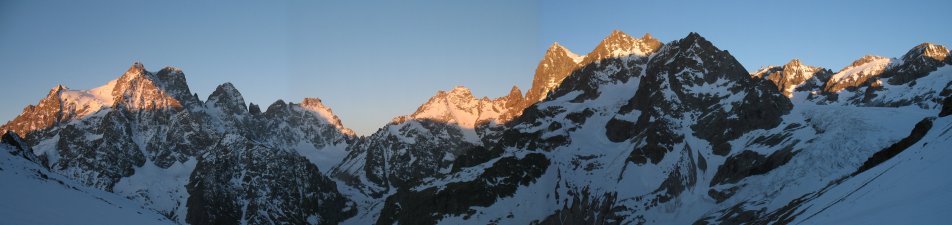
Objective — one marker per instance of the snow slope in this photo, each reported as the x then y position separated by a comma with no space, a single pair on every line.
32,195
911,188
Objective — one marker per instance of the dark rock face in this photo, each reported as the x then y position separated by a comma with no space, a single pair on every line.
287,124
918,62
228,99
104,160
254,109
389,159
427,143
749,163
921,129
244,181
22,148
427,206
667,91
946,107
586,210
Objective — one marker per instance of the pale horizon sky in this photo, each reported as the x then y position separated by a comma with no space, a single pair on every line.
371,61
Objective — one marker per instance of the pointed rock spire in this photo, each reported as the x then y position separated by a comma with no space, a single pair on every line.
56,90
515,92
227,99
557,64
254,109
648,36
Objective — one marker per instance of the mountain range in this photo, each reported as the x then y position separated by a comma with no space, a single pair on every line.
637,131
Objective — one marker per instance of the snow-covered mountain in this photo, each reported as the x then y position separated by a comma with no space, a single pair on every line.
635,132
424,144
146,137
32,194
681,135
794,76
918,78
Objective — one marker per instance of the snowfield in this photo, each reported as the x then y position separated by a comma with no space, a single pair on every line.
34,195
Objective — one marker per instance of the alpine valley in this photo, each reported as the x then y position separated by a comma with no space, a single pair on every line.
637,131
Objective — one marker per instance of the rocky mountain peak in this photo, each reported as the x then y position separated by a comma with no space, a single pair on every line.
557,51
864,60
514,92
793,63
139,89
557,64
697,54
918,62
315,105
794,75
277,106
254,109
619,44
460,91
647,36
459,106
617,36
927,51
56,90
136,68
711,92
227,98
857,73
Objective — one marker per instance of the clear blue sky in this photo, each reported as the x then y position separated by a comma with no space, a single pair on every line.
371,61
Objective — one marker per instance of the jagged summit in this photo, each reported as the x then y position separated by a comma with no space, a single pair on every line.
794,76
794,63
918,62
136,67
315,105
557,50
461,91
227,99
557,64
927,50
56,90
619,44
696,38
647,36
457,106
678,133
515,91
139,89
